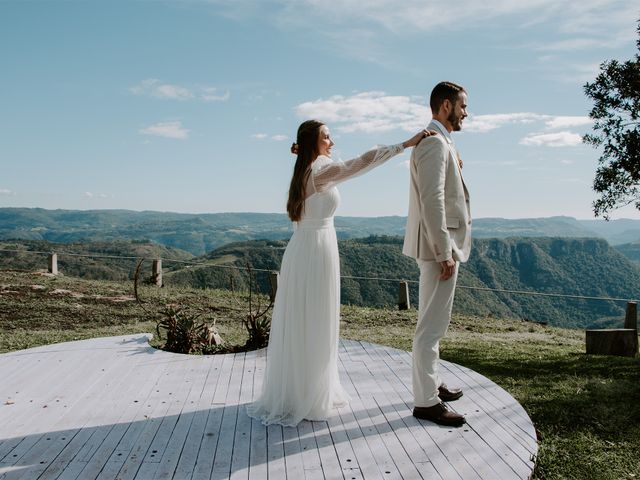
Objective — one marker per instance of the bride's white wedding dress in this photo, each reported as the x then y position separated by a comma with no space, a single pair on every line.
301,378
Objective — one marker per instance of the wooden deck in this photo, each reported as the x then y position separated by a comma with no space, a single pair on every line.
115,408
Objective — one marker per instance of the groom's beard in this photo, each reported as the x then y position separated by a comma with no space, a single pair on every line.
455,121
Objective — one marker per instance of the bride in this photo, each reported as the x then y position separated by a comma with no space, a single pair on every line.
301,378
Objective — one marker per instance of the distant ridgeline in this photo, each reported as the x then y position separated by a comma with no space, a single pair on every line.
202,233
587,267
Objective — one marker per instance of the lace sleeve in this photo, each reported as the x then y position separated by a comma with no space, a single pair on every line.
334,173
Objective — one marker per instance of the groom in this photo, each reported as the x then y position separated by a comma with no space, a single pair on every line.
438,236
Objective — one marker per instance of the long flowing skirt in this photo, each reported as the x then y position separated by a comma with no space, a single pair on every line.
301,377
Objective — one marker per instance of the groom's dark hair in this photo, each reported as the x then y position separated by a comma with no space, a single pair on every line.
444,91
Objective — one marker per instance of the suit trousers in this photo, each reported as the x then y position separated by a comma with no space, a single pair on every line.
435,302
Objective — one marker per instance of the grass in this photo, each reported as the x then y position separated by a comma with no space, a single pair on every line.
585,408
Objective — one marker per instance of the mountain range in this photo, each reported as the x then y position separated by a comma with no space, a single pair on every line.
202,233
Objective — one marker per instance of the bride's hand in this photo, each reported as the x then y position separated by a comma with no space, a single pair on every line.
413,141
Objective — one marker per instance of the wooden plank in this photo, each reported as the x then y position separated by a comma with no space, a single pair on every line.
224,450
108,450
196,436
367,465
276,466
345,367
176,444
242,437
502,407
309,450
346,455
503,447
262,447
114,395
379,452
294,465
37,448
331,467
438,453
207,453
139,441
484,459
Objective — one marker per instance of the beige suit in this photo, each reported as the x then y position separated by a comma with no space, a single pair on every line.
438,229
439,219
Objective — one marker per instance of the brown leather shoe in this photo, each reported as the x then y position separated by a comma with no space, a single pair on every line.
448,394
439,414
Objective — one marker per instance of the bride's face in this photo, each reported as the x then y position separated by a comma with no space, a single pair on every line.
324,141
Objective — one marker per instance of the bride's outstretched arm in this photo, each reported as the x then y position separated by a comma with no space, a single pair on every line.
334,173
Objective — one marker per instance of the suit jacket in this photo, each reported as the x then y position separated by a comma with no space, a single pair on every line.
439,219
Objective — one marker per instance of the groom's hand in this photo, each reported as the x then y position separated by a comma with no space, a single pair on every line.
447,269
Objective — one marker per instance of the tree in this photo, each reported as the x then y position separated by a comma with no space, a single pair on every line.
616,114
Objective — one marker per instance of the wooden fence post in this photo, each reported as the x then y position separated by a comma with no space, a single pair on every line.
156,274
631,318
403,296
273,281
53,263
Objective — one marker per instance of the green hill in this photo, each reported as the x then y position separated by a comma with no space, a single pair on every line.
581,267
630,250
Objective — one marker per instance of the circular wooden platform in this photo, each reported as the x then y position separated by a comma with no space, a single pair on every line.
115,408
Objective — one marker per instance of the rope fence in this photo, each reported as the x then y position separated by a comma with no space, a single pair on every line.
608,341
403,282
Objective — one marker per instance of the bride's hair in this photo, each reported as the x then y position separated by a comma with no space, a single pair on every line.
307,151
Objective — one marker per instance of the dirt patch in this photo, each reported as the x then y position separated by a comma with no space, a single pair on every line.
66,293
118,299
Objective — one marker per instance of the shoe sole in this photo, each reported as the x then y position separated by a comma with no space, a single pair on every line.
446,424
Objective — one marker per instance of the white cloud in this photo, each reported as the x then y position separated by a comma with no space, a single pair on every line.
501,163
95,195
166,130
557,139
378,112
486,123
212,94
152,87
262,136
368,112
5,192
567,121
578,22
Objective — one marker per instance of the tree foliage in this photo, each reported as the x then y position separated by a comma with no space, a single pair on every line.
616,111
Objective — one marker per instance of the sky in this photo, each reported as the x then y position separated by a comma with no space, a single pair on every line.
191,106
